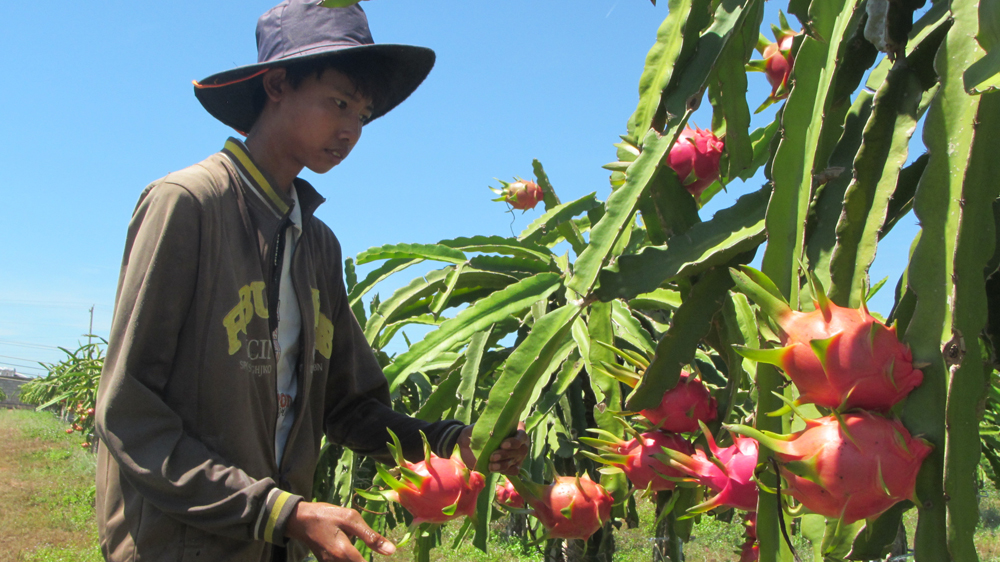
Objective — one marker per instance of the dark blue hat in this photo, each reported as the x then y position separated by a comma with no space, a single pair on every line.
300,30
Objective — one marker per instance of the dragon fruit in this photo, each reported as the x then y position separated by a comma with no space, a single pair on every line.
435,489
520,194
728,473
750,551
695,157
637,458
851,468
777,60
683,406
508,496
837,357
572,507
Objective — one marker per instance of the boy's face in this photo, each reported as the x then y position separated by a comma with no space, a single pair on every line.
321,120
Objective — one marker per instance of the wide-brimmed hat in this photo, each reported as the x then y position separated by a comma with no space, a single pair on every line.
300,30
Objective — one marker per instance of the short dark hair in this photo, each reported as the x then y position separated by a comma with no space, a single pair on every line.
366,73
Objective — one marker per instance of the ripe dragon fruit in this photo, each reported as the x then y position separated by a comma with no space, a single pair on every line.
683,406
851,468
728,473
433,490
572,507
520,194
777,61
638,457
508,496
695,157
837,357
750,551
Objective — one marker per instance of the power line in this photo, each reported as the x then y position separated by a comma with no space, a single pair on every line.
18,358
25,344
16,367
52,304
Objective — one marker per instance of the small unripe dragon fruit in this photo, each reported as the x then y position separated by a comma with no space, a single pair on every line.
728,472
683,406
572,507
639,458
507,495
837,357
777,61
695,158
520,194
433,490
849,469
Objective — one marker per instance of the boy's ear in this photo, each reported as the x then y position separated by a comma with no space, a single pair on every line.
275,84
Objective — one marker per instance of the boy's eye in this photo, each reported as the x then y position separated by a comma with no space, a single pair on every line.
340,103
365,118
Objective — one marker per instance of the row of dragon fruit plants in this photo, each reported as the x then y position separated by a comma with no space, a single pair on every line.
657,366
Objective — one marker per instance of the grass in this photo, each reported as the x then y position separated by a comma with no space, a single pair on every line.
47,482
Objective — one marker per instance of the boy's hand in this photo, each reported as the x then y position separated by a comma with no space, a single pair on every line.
327,531
507,459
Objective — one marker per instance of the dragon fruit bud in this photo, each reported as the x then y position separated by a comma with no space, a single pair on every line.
570,508
508,496
695,157
750,522
849,469
728,473
683,406
435,489
637,458
520,194
838,357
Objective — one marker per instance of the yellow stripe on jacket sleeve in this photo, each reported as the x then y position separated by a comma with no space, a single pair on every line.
272,518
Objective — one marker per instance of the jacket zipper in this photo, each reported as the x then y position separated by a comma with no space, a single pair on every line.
275,286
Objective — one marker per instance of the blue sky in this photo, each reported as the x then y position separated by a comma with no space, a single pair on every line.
99,103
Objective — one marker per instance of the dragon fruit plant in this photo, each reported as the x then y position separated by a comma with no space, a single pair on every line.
571,507
520,194
695,158
639,458
435,489
777,60
850,468
837,357
728,472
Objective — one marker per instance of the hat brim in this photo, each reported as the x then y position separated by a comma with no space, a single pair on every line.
228,96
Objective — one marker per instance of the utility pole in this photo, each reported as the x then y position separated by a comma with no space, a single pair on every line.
90,330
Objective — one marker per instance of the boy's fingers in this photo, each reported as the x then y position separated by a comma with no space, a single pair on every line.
358,528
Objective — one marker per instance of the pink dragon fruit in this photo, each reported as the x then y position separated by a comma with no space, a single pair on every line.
572,507
520,194
508,496
728,473
637,458
777,61
848,469
683,406
750,551
695,157
433,490
837,357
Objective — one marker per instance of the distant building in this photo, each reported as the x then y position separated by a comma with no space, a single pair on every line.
10,383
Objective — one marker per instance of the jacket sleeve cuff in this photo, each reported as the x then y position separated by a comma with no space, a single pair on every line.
447,439
273,516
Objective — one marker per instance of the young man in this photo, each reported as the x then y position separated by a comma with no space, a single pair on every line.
233,349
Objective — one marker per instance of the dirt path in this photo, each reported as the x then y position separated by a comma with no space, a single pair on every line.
41,483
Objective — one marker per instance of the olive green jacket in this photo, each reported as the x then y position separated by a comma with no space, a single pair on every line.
187,402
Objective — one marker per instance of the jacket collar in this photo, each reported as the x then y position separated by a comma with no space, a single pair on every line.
262,188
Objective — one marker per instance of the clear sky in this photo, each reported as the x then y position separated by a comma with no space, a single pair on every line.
99,103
